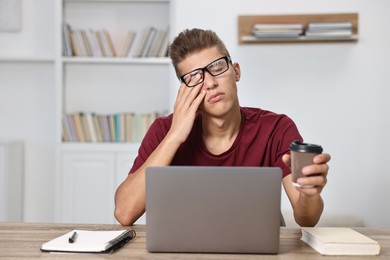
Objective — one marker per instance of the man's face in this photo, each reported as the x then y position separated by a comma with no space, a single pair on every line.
221,90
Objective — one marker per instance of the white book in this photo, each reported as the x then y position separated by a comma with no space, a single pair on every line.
329,26
108,42
81,43
67,46
150,43
277,34
325,34
339,241
157,43
277,26
104,44
142,40
94,44
87,44
163,51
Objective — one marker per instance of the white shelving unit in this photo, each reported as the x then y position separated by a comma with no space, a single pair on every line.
89,173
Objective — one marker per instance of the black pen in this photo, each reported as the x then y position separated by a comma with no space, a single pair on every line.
72,238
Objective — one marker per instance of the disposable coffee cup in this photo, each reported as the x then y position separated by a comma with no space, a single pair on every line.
302,154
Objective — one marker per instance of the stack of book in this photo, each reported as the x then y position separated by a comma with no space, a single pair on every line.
293,30
153,43
329,30
120,127
90,43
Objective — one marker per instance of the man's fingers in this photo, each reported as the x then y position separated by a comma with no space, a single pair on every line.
196,103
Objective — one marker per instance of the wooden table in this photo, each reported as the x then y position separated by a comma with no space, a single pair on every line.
23,241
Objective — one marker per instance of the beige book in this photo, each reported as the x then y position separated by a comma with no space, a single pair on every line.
339,241
99,38
98,127
87,44
126,44
108,42
79,127
90,127
76,49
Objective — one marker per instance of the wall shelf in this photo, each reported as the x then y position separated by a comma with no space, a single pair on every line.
246,22
148,61
26,59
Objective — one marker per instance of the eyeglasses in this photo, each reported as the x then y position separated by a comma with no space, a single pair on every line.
215,68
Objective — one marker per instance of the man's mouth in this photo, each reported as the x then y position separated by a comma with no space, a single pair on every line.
216,97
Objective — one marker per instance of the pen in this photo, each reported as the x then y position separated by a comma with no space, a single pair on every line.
72,238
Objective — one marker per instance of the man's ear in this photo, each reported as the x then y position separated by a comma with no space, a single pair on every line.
237,71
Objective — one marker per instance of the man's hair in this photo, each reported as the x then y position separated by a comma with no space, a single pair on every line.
191,41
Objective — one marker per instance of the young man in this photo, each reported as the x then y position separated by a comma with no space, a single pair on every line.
208,127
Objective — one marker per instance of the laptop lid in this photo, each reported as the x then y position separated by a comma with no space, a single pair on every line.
213,209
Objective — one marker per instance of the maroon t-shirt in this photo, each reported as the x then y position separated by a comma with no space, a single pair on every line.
263,138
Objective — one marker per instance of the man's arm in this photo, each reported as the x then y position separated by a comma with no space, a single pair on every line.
307,203
130,195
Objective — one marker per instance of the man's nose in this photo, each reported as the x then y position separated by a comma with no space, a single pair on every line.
209,81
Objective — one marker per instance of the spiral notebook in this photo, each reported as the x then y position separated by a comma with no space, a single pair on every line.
86,241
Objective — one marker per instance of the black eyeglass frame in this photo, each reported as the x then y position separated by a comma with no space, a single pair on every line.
226,58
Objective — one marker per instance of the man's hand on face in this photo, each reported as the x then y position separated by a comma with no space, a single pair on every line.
186,106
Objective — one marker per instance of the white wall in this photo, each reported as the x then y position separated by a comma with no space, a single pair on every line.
27,103
337,93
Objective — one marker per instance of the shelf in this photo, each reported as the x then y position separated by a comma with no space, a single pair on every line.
76,146
108,85
246,22
149,61
113,1
26,59
252,39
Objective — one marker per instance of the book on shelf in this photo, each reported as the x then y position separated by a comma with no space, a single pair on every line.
325,30
152,42
339,241
79,127
74,44
119,127
277,26
104,121
142,41
329,34
329,26
277,30
66,41
89,241
108,42
154,52
149,44
127,43
85,43
104,45
93,43
163,48
90,128
100,41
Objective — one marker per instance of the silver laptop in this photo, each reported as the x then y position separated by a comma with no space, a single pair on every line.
213,209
